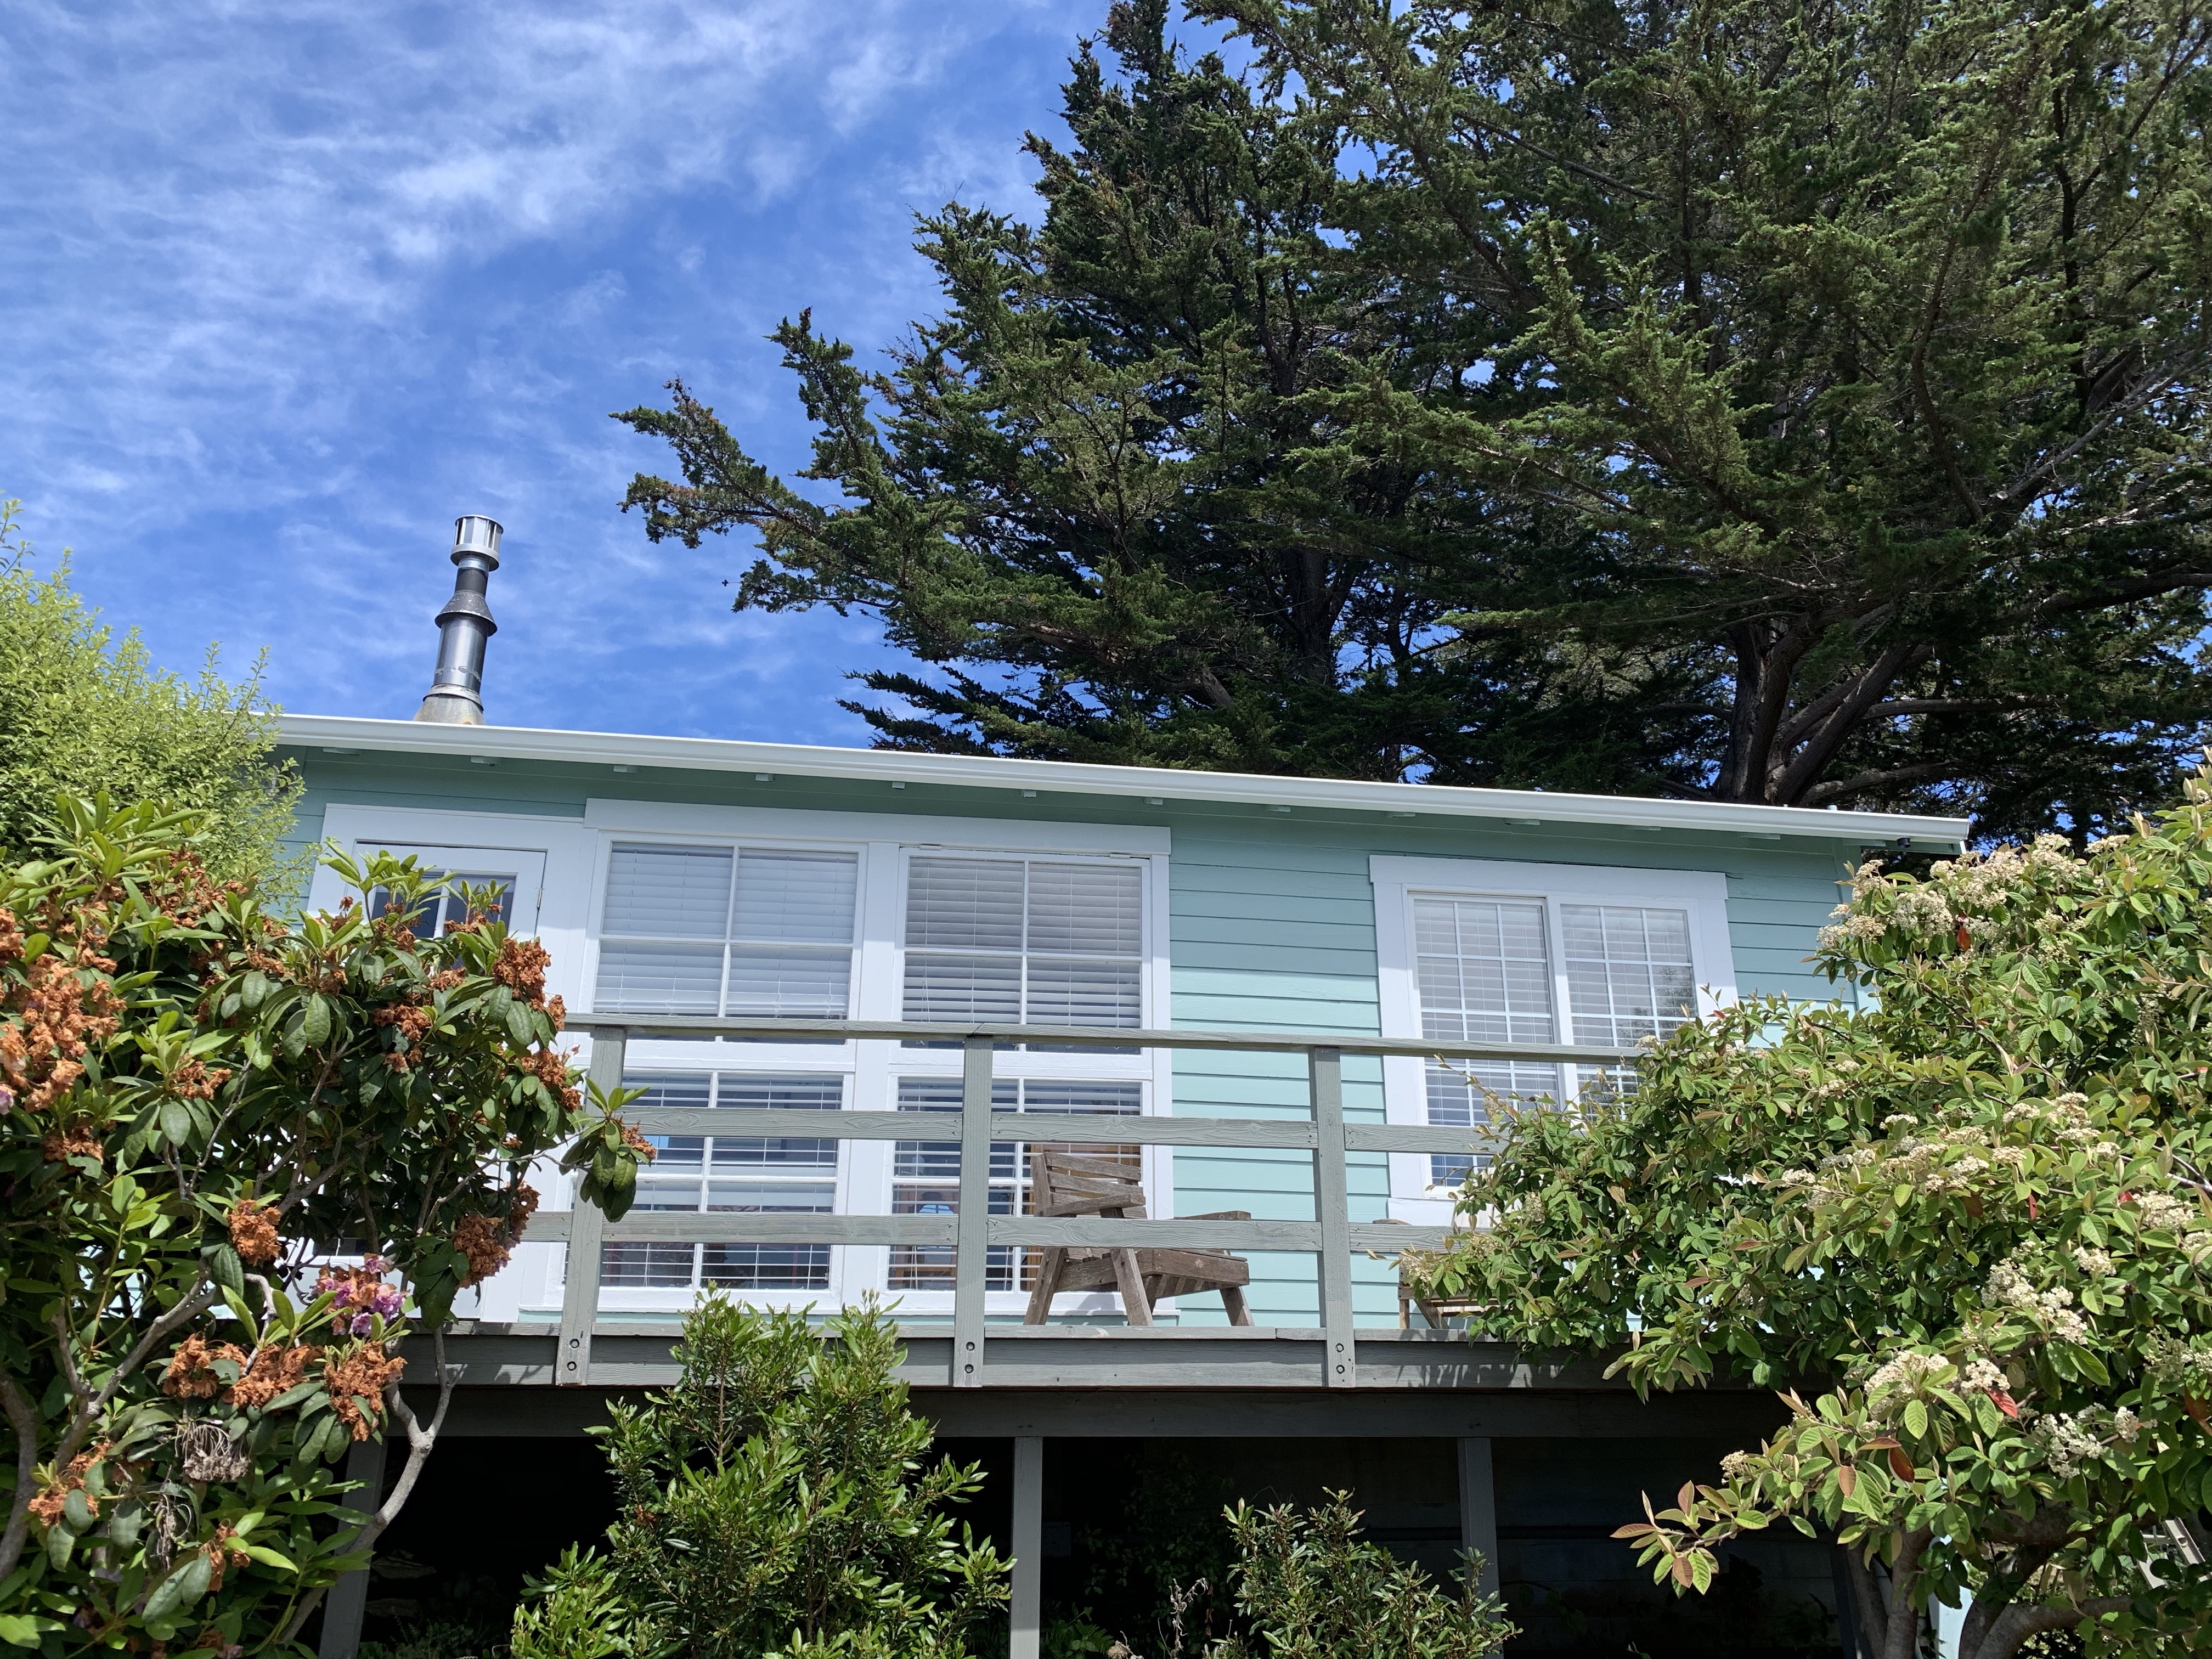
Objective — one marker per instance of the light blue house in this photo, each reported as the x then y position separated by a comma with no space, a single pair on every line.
814,903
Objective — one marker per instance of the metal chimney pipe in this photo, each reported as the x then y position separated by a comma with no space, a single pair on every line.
456,694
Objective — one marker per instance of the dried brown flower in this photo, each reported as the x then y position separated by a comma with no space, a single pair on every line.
191,1373
73,1140
51,1499
637,1143
253,1232
224,1553
550,1068
362,1375
274,1371
521,967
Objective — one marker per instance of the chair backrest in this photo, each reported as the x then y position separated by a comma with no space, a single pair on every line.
1067,1183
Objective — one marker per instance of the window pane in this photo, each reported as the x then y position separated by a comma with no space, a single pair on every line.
658,979
668,892
790,1094
1482,970
678,1088
772,1197
502,906
650,1266
1629,974
1083,991
789,984
983,988
1090,909
805,897
964,904
767,1267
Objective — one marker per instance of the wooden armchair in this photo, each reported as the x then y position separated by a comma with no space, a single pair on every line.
1065,1183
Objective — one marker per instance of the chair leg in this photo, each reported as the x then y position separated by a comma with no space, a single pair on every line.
1136,1304
1232,1298
1047,1287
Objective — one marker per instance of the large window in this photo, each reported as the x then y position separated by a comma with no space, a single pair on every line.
708,930
1604,957
733,1174
874,930
926,1174
1025,941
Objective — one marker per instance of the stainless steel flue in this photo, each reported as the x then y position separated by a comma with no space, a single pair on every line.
456,694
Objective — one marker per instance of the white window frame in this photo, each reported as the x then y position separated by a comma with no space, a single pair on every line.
1398,880
885,845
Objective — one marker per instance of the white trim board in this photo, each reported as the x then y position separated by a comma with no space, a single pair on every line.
909,828
344,734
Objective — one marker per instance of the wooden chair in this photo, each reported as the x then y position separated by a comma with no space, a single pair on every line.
1434,1309
1065,1183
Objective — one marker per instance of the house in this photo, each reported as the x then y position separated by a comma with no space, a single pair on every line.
826,900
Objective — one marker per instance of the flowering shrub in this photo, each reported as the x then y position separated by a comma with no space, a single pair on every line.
196,1101
1966,1225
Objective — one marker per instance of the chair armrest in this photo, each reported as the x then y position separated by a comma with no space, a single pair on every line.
1218,1215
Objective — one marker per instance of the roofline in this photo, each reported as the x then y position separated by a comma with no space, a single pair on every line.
338,732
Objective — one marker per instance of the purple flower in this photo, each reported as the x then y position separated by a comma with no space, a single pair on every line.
363,1324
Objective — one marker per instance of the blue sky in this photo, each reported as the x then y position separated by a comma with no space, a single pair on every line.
291,283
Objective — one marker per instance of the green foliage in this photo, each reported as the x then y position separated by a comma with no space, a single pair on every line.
1791,402
1968,1223
775,1501
82,713
577,1611
1308,1587
192,1095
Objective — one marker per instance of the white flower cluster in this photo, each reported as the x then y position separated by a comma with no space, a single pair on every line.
1906,1374
2179,1368
2126,1427
2009,1287
2097,1263
1739,1466
2067,1443
1982,1373
2162,1212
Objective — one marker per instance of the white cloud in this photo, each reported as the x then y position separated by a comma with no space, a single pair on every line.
292,283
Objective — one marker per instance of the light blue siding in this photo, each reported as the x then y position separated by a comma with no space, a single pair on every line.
1271,926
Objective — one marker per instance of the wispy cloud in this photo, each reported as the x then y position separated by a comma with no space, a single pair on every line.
291,284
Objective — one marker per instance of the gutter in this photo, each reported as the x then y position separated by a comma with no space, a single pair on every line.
343,734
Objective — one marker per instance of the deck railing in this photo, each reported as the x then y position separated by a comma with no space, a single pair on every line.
973,1230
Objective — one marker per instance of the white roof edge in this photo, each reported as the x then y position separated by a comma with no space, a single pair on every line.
1081,778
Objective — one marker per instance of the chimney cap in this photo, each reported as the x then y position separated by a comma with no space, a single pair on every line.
476,534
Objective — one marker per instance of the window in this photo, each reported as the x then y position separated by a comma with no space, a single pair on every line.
732,1174
443,907
1480,952
1025,941
707,930
926,1174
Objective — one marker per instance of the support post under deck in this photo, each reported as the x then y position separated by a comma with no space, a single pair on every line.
1477,1510
1027,1612
348,1601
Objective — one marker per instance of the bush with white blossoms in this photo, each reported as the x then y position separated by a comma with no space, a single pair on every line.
1962,1223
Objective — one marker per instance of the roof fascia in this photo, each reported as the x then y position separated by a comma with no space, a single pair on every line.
333,732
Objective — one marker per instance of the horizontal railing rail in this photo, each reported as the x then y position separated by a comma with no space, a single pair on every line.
972,1231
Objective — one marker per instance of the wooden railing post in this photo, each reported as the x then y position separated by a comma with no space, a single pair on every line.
971,1264
1333,1210
579,1295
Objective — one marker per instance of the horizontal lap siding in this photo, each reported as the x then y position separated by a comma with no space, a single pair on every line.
1273,928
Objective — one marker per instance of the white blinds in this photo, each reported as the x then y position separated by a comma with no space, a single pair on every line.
1629,973
1032,941
704,930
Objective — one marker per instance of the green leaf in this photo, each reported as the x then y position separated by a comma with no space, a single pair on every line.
315,1020
176,1123
1915,1418
270,1558
518,1024
20,1630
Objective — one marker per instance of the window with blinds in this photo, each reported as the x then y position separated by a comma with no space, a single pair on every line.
926,1174
733,1174
1485,972
1025,941
709,930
